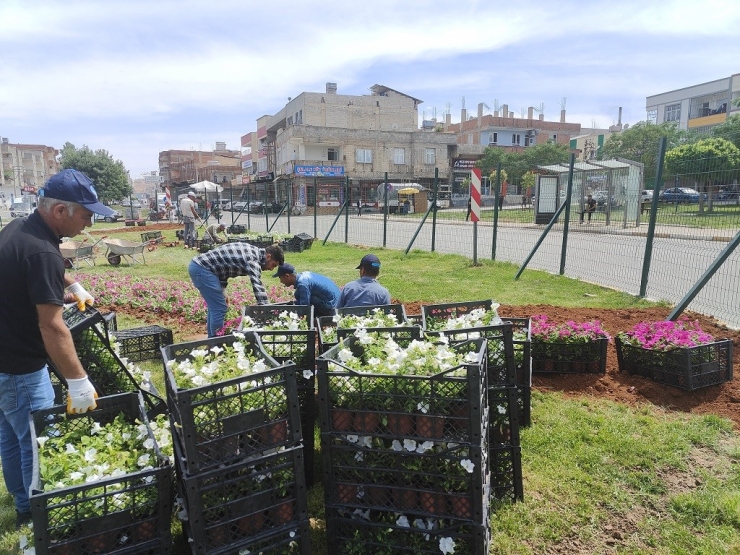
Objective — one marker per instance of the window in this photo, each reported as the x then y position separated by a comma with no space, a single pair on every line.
527,140
399,156
332,154
290,120
430,156
515,138
652,116
364,156
672,112
493,138
300,117
554,138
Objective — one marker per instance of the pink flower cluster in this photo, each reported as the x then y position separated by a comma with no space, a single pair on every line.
666,335
546,331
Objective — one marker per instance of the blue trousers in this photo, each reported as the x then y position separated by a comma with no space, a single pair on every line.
19,397
210,289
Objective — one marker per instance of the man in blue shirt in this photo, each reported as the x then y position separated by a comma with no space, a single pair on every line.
365,291
310,289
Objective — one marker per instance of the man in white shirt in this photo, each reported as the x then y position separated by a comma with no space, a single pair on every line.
189,215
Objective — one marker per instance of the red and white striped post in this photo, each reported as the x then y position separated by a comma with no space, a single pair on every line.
475,180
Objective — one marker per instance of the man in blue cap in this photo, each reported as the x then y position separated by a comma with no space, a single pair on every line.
32,329
365,291
310,289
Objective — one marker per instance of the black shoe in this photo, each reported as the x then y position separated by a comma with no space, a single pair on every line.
21,519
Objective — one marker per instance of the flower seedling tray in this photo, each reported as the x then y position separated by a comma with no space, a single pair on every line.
130,513
403,335
420,480
355,535
686,368
398,310
77,320
503,417
322,324
142,343
107,372
443,406
501,362
569,358
448,311
251,505
233,419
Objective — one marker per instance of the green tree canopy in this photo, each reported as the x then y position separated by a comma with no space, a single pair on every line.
640,144
516,164
713,160
729,130
110,177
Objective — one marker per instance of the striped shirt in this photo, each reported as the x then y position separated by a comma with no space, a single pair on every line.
236,259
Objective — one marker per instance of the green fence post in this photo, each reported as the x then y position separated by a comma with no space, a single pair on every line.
653,216
385,208
315,205
495,210
436,205
566,223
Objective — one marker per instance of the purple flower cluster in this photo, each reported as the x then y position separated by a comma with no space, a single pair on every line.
665,335
546,331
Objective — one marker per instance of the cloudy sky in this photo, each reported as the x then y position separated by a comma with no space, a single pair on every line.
136,77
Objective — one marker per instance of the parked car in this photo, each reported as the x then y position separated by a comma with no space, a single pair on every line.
646,195
127,202
727,194
109,219
256,207
680,194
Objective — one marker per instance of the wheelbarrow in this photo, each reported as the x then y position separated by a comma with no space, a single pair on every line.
75,251
120,249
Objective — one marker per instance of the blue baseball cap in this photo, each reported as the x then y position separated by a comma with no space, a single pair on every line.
369,260
284,270
74,186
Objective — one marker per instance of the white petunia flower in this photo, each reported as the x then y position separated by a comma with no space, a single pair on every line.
403,522
446,545
396,445
409,445
468,465
307,374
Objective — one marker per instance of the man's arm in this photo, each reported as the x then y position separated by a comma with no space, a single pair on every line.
255,275
302,294
58,341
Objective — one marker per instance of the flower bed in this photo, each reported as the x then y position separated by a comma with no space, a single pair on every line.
228,400
678,353
568,348
101,484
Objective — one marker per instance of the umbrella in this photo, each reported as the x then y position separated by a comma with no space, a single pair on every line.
206,187
408,191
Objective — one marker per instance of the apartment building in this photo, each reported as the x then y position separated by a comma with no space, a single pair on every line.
185,167
25,168
319,140
698,107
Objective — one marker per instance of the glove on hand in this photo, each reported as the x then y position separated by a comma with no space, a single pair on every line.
81,396
81,296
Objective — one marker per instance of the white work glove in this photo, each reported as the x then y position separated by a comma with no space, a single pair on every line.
81,296
81,396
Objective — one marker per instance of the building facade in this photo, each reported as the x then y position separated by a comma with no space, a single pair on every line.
185,167
319,142
699,107
25,168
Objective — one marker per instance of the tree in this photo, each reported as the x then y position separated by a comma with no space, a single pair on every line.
729,130
109,177
707,161
494,176
640,144
516,164
528,182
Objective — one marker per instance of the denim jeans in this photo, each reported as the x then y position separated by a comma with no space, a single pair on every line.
210,289
188,234
19,397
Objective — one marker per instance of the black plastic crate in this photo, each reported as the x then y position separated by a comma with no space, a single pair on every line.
350,535
444,407
107,372
142,343
447,311
305,238
500,349
522,339
152,236
233,419
506,483
503,416
324,323
77,320
126,514
418,479
524,398
237,229
263,241
687,368
569,358
403,335
292,246
254,503
110,321
299,347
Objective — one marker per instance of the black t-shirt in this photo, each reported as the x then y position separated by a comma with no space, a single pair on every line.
31,273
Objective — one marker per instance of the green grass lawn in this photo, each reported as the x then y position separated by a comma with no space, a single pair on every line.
599,477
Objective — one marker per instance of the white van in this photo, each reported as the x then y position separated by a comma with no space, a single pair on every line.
22,207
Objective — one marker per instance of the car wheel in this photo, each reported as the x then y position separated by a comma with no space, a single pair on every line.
109,220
